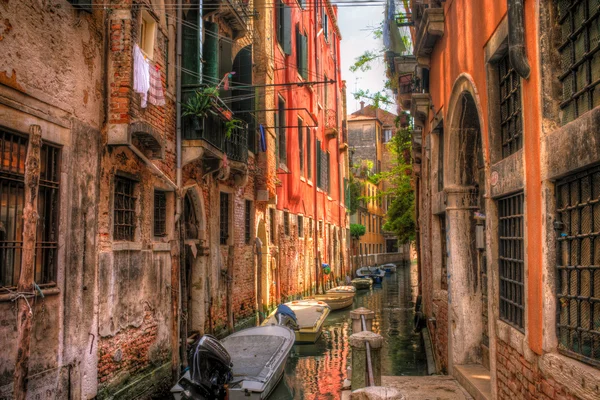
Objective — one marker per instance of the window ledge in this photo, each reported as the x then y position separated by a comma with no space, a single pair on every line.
161,246
309,182
127,246
51,291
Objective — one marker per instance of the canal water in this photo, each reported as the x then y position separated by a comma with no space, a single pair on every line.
317,371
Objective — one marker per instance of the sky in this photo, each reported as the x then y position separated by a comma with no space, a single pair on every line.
354,23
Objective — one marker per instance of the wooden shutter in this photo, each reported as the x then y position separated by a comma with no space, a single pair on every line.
192,48
318,159
210,52
287,30
304,56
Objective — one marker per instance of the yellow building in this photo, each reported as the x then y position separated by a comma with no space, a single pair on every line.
370,214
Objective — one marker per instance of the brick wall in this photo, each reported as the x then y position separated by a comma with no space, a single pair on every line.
439,333
518,378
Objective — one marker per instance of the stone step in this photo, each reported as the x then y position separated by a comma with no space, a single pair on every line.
476,380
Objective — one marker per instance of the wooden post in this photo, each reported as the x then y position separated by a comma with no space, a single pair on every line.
26,278
230,257
259,299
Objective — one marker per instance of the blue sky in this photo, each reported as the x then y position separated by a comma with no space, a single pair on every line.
356,39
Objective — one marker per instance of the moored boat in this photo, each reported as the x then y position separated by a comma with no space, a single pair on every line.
362,283
342,289
336,300
390,268
310,317
376,273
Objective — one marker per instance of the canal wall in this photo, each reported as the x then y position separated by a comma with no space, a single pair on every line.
365,260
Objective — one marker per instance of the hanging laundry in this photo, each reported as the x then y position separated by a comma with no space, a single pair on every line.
156,95
263,140
141,74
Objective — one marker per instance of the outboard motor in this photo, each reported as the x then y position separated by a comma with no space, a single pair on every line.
208,373
285,316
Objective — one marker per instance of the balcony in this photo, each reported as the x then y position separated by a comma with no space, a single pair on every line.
331,123
207,138
429,25
234,12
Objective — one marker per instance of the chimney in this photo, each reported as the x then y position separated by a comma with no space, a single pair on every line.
362,105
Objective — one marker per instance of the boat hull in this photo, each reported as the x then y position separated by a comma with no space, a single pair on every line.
336,300
342,289
311,315
362,283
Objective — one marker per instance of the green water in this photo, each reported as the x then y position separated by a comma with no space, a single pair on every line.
317,371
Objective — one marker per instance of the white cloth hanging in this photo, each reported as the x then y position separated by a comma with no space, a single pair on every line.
141,74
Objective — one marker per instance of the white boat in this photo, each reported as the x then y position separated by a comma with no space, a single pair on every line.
336,300
258,356
391,268
376,273
342,289
310,317
255,357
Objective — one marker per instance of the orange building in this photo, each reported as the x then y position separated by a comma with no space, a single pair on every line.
505,156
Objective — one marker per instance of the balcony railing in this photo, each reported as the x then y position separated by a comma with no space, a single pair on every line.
212,130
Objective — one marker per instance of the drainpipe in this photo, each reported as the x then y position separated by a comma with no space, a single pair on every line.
178,352
157,171
516,38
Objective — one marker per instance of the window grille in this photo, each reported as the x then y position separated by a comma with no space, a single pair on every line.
224,218
272,225
320,228
124,215
579,22
286,223
578,258
300,226
48,206
511,125
512,299
310,227
160,213
248,222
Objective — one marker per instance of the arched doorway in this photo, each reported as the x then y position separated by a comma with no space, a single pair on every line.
465,187
195,278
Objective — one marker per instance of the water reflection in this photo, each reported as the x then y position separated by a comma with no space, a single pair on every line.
317,371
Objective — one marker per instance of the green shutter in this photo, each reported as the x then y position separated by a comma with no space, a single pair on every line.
319,176
210,52
304,58
276,139
287,30
191,49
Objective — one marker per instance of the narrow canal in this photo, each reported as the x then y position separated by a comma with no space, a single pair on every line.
317,371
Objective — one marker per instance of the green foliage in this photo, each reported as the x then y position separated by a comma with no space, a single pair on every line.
357,230
231,125
375,178
363,62
355,188
377,99
400,218
200,103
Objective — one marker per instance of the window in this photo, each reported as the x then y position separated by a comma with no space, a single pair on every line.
224,218
280,121
325,26
284,27
387,135
248,222
310,227
326,94
301,53
48,205
440,160
301,146
320,228
286,223
160,213
124,214
300,226
147,34
511,260
272,225
511,126
580,59
578,257
308,154
444,253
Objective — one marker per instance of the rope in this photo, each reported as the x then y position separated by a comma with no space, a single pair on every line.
15,295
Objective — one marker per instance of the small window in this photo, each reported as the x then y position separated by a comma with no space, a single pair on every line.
300,226
511,125
281,132
301,53
308,154
284,27
147,34
248,222
160,213
224,218
387,135
511,260
124,213
301,145
310,227
272,225
286,223
321,229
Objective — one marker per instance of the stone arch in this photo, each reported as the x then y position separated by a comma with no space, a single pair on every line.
198,283
464,189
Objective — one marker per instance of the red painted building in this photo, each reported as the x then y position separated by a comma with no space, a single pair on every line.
311,160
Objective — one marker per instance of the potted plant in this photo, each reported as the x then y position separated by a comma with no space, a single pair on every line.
199,105
231,125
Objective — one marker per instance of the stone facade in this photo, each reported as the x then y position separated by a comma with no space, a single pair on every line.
494,294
